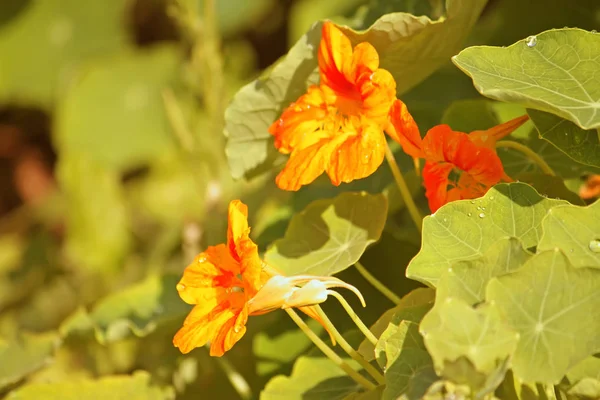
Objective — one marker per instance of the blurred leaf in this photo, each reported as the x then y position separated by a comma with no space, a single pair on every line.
139,308
467,280
374,394
576,230
465,229
550,186
407,366
453,329
115,113
234,16
377,8
304,384
581,145
588,368
133,387
97,222
23,355
556,310
42,47
587,388
512,74
329,235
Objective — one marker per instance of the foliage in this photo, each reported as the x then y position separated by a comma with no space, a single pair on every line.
127,127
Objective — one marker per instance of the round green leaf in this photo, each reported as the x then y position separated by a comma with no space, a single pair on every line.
555,71
329,235
463,230
556,310
409,369
575,230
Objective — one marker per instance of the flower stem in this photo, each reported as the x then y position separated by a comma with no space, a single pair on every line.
377,283
404,191
533,156
235,378
349,349
355,318
358,378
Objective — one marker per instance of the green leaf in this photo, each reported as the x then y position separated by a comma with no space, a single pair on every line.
396,338
453,329
42,47
234,16
134,387
467,280
403,371
550,186
23,355
463,230
97,222
132,128
588,368
138,308
587,388
568,86
329,235
575,230
580,144
556,310
374,394
304,384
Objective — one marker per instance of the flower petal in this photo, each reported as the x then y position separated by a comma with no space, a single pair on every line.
335,50
435,179
229,334
237,227
365,60
404,130
378,93
489,137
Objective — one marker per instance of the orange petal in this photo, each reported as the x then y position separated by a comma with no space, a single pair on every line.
237,225
378,93
489,137
312,312
358,156
229,334
435,179
335,51
591,188
364,61
208,276
404,130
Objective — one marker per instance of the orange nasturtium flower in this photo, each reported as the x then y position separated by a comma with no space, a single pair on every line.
457,165
229,282
591,188
337,126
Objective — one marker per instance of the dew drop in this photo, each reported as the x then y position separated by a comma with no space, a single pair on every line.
481,215
472,201
594,246
469,214
180,287
237,329
531,41
594,31
491,197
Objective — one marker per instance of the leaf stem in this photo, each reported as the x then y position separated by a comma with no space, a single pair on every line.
355,318
404,191
235,378
377,283
533,156
358,378
348,348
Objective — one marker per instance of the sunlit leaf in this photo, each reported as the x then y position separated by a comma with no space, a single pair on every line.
42,47
23,355
587,388
304,384
453,329
556,310
553,72
134,387
396,338
138,308
329,235
576,230
467,280
409,365
590,368
465,229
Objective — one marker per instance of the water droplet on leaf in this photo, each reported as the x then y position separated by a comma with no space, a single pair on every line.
531,41
481,215
469,214
595,246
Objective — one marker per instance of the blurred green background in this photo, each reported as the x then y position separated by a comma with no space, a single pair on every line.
113,175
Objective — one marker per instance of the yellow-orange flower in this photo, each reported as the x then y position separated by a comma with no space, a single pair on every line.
337,126
229,282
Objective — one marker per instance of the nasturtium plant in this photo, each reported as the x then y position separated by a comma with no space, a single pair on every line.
348,200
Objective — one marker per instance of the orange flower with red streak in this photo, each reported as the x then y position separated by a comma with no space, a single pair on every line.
229,282
337,126
457,165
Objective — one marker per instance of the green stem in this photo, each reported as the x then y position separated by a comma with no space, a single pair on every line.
377,283
358,378
404,191
235,378
355,318
349,349
533,156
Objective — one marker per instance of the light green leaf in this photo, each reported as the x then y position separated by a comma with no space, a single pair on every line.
139,308
329,235
575,230
396,338
132,127
453,329
580,144
304,384
134,387
42,47
553,72
97,221
234,16
587,388
467,280
556,310
464,230
23,355
410,365
588,368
